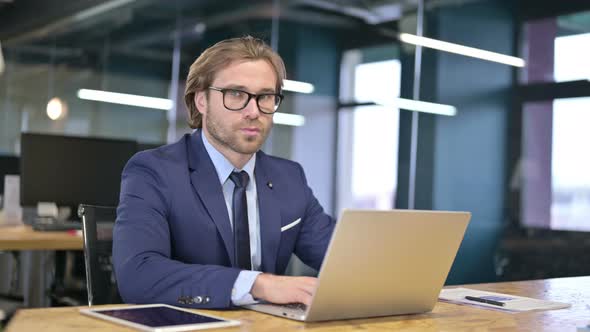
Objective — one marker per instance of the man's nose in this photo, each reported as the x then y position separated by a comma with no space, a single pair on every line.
251,110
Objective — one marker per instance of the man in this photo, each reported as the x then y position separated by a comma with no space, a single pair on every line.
200,219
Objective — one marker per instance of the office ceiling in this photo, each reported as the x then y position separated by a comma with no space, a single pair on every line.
83,32
150,25
146,29
139,35
26,21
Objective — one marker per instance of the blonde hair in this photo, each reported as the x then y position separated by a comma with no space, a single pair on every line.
202,72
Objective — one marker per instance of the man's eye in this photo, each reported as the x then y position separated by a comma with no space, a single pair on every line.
266,97
235,93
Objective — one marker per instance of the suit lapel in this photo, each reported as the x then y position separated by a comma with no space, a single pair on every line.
205,182
270,215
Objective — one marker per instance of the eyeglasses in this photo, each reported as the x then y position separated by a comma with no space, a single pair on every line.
236,100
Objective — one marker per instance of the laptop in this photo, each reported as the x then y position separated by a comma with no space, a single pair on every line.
381,263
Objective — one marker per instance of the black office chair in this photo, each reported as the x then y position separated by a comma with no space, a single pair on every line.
97,227
10,302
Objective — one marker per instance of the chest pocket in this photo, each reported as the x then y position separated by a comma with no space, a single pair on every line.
290,225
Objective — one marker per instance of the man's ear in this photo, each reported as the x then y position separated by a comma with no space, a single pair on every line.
201,101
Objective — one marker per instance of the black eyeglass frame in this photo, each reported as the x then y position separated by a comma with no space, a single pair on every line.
250,96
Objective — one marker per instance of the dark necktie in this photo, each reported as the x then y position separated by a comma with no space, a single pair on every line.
240,211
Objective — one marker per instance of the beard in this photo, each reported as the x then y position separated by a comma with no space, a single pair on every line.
230,135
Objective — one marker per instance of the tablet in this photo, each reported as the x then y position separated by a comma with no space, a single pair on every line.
159,318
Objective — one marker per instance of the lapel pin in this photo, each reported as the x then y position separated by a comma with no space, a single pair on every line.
269,184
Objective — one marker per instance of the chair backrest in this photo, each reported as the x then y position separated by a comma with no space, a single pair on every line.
97,227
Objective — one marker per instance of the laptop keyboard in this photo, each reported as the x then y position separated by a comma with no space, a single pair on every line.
295,306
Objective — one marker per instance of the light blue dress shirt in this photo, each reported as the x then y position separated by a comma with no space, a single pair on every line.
241,290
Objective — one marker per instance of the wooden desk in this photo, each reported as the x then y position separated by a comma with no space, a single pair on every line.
25,238
37,258
444,317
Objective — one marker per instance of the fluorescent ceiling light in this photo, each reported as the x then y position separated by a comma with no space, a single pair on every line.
297,86
460,49
125,99
2,65
166,104
288,119
419,106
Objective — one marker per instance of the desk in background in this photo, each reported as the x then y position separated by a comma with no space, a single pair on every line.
18,238
445,316
37,253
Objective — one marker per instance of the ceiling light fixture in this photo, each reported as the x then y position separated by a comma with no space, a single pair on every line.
298,86
2,65
462,50
288,119
56,109
166,104
419,106
125,99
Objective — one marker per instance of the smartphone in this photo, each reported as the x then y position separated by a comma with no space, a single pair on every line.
159,318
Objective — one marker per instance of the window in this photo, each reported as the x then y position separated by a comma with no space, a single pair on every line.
557,49
570,165
555,191
572,57
368,136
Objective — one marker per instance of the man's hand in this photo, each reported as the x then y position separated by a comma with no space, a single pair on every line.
281,289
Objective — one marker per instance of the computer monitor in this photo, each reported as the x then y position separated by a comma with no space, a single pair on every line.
71,170
9,165
148,146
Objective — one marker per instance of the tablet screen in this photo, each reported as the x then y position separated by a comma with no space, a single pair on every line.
159,316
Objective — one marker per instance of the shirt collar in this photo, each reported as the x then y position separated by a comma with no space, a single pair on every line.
222,165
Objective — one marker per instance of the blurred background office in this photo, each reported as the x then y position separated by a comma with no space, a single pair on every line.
503,133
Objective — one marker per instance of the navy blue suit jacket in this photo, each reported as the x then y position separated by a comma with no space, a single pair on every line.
172,237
